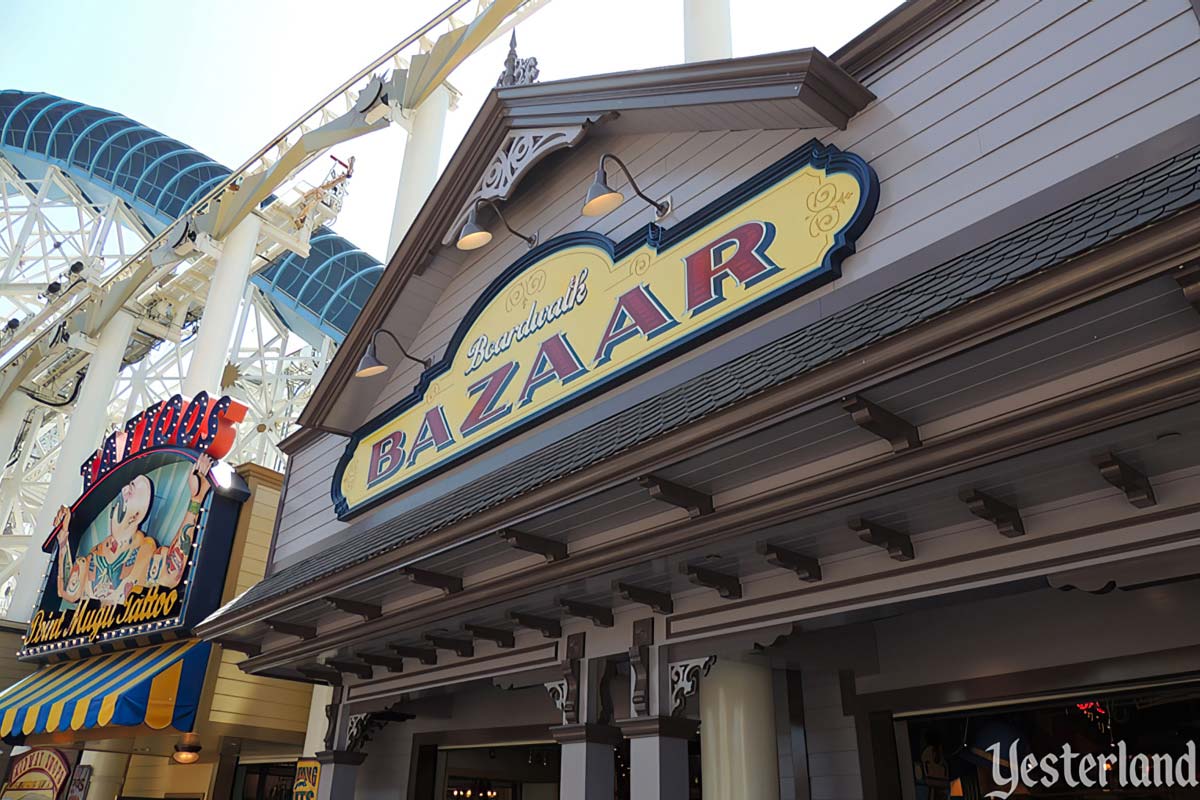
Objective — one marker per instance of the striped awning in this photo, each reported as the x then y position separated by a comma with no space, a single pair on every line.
156,686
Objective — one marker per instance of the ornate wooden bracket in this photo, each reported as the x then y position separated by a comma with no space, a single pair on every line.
426,655
520,151
808,569
1006,518
349,666
292,629
685,680
550,628
502,638
364,726
882,423
558,694
1133,483
571,666
331,714
639,666
696,503
658,601
368,611
390,663
463,648
600,616
547,548
898,545
728,586
436,580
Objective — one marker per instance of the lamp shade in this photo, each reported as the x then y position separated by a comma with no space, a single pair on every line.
473,235
601,198
370,364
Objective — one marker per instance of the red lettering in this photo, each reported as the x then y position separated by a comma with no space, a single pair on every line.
489,388
434,432
387,456
637,313
555,360
706,269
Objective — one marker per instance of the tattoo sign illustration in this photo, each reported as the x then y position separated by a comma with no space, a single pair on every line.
144,550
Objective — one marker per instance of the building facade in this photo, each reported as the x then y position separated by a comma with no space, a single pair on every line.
857,440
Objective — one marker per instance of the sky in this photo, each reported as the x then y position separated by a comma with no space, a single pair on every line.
226,76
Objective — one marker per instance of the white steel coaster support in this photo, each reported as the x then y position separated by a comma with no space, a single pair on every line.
10,491
419,169
707,34
221,310
88,424
12,417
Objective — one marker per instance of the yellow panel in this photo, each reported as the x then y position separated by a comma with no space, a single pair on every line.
160,707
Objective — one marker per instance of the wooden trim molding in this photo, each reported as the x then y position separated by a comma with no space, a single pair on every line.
661,727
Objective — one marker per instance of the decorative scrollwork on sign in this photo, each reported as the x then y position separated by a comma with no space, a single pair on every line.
521,290
520,150
825,207
685,680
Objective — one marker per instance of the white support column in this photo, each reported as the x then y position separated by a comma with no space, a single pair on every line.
419,170
10,490
738,752
221,309
87,424
707,34
12,417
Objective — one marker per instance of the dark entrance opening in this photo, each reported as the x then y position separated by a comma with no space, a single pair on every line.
1135,743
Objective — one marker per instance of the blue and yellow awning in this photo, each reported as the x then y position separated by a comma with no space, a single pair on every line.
155,686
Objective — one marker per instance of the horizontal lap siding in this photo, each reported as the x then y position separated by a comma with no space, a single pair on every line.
1008,100
238,698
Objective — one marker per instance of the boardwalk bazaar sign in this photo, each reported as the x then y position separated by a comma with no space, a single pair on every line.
143,551
580,313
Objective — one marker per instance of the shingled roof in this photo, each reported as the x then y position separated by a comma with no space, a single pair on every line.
1142,200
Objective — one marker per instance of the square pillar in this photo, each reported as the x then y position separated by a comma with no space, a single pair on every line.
339,773
658,756
586,760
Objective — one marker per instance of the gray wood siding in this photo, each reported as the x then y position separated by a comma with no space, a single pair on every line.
1010,99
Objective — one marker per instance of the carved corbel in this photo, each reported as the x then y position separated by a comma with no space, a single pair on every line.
1006,518
898,545
520,151
883,423
1129,480
639,666
685,680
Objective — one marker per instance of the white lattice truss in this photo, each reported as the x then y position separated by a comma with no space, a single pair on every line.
48,225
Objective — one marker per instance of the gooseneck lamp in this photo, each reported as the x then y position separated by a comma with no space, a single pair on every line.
602,198
474,236
370,364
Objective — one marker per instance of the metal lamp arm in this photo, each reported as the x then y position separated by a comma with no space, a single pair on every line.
661,207
423,362
483,201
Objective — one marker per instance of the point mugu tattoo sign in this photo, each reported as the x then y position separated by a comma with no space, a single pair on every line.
580,313
143,551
